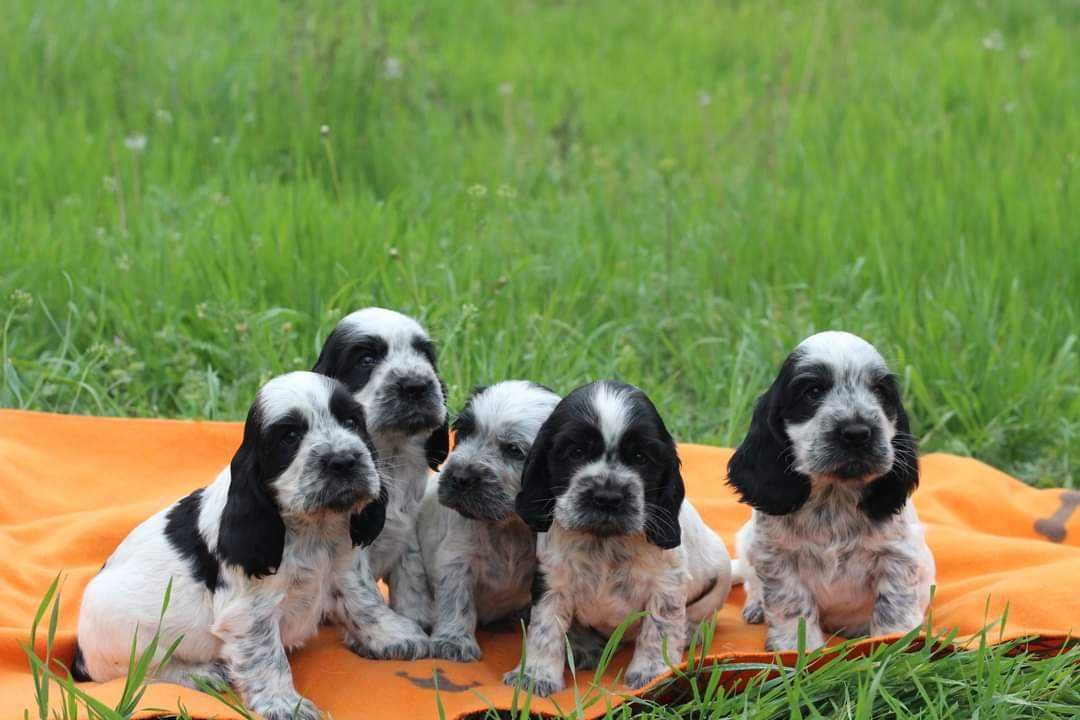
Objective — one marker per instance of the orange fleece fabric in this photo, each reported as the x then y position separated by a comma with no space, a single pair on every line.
72,487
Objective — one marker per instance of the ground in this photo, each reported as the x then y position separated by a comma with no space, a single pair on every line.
672,194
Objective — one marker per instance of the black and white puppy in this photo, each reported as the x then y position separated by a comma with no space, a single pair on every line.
602,485
828,466
479,555
257,559
388,363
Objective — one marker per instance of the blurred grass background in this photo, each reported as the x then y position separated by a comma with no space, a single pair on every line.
674,194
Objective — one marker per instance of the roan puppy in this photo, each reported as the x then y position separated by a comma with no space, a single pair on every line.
387,362
828,466
602,485
257,559
479,555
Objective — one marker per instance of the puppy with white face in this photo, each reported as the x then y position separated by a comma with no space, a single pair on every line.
602,486
828,466
479,555
387,362
258,559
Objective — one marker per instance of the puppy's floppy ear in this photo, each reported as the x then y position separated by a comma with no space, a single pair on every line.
437,446
365,526
251,533
535,502
662,506
888,494
760,470
329,356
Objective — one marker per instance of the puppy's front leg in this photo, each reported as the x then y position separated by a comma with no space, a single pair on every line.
899,601
454,637
371,629
786,601
409,595
666,619
545,648
255,658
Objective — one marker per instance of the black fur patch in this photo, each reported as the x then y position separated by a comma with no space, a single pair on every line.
182,532
79,673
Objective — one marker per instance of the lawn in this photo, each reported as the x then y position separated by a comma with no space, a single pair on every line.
669,193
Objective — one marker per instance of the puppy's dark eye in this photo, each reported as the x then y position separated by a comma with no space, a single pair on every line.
291,436
368,359
512,452
576,453
814,391
638,458
351,423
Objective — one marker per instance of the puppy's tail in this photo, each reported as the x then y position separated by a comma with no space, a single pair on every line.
739,570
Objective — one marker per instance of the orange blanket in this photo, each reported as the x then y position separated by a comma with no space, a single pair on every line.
71,488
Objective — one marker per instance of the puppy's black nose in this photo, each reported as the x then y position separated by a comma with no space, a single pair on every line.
856,433
462,477
606,499
414,387
343,463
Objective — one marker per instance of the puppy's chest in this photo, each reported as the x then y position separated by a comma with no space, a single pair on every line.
503,564
606,581
308,574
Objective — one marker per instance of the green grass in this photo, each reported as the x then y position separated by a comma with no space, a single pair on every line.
671,193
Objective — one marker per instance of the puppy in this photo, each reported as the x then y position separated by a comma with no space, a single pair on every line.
602,485
257,559
387,362
828,466
479,555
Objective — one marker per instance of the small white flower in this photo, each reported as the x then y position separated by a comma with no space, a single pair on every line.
1025,54
995,41
704,99
477,191
1009,106
506,191
163,116
123,263
110,183
393,68
324,131
506,89
136,142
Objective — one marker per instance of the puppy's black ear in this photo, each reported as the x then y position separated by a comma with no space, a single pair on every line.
888,494
535,502
662,507
330,356
437,446
365,526
760,470
251,533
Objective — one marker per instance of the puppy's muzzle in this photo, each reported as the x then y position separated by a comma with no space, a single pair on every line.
411,403
857,450
474,491
347,480
605,508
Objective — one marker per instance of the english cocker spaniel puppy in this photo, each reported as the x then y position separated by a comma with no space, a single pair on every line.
258,559
602,486
387,362
828,466
479,555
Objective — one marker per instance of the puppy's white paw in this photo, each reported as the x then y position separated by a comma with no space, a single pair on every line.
637,678
288,707
539,686
459,648
404,640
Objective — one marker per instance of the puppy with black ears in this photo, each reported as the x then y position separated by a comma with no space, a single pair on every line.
479,555
258,559
828,466
388,363
602,486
